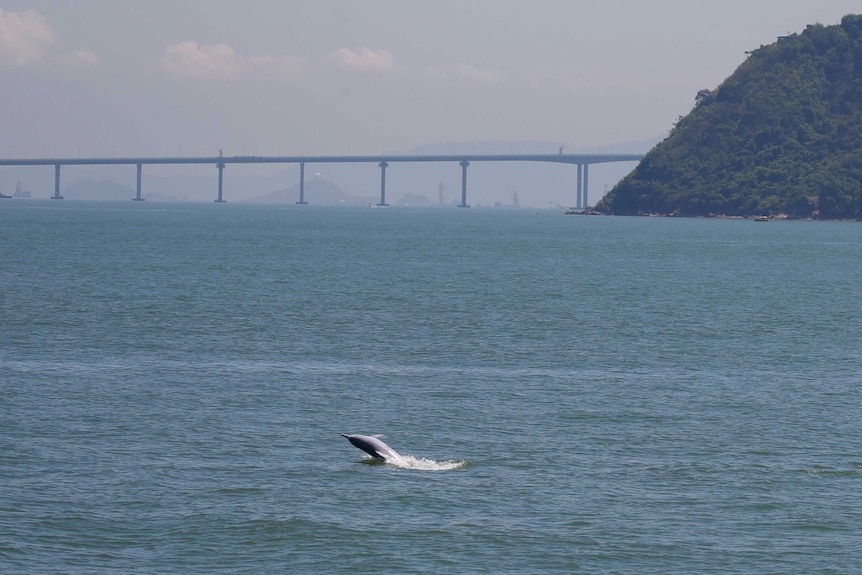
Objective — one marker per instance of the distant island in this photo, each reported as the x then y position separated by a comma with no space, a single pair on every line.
782,136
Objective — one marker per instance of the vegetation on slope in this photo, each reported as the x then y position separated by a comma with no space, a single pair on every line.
781,135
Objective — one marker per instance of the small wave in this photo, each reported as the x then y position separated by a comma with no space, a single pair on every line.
832,471
423,464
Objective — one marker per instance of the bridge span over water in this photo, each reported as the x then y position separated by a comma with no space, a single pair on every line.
582,161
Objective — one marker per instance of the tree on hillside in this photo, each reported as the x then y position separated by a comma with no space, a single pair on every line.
781,135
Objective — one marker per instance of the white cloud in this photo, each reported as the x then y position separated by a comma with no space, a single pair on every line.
434,74
570,79
282,67
188,60
191,61
25,38
79,59
366,60
482,76
466,74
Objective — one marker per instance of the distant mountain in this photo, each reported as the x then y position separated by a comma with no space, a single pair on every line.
413,200
108,190
537,184
781,135
529,147
316,191
98,190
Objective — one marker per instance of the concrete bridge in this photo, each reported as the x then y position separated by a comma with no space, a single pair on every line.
583,162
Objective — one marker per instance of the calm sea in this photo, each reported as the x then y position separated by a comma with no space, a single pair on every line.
571,394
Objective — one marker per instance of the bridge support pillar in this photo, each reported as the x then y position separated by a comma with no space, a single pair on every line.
138,197
586,186
302,184
56,195
579,203
220,167
464,204
583,201
383,166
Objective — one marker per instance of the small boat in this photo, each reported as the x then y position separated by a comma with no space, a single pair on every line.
761,218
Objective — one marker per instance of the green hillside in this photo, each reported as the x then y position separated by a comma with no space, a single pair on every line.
781,135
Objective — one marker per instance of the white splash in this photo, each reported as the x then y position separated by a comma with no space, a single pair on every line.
423,464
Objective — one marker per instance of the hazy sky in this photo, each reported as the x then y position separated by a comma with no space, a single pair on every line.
267,77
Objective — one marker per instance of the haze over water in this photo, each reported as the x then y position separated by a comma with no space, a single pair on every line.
571,394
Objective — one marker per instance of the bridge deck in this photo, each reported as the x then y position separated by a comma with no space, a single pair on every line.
557,158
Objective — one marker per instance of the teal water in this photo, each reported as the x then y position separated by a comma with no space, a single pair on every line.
572,394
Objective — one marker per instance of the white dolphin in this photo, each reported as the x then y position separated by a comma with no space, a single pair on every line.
373,446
